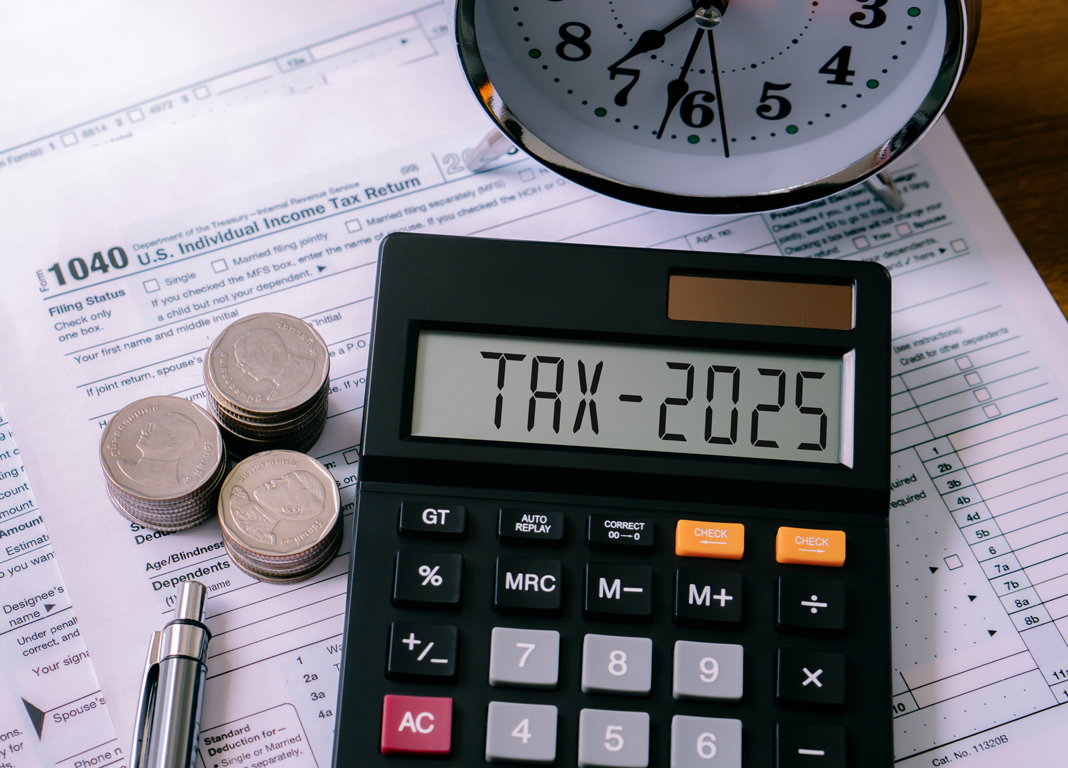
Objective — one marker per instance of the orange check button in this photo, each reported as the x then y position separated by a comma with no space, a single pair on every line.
807,546
697,538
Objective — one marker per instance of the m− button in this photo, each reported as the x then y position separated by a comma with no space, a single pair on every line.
531,527
620,592
528,585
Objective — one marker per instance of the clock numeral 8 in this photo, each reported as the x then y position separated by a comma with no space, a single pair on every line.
571,40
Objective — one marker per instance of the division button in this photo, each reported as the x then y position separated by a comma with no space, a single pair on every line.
612,739
705,598
531,527
416,725
422,651
521,733
427,580
810,677
524,658
612,664
698,538
808,546
432,521
527,585
800,745
618,592
700,742
810,606
612,532
707,671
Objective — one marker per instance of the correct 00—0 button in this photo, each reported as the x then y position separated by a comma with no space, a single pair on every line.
612,739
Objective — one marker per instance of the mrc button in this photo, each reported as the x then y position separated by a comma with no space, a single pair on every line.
808,546
528,526
606,532
432,521
698,538
528,585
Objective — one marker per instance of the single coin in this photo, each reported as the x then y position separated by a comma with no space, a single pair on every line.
161,449
279,504
268,363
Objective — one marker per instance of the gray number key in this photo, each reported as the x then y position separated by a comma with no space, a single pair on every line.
521,733
612,664
705,742
610,739
524,658
707,671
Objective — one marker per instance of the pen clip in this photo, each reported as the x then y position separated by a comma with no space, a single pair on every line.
146,704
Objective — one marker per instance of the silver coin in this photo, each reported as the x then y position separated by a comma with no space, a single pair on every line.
267,363
161,449
279,503
284,579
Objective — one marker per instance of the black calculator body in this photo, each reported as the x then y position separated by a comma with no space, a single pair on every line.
620,507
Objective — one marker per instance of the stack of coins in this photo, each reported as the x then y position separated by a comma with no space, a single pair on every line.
281,516
268,378
163,460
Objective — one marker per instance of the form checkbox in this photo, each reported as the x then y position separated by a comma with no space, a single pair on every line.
351,457
992,410
958,246
353,225
202,92
151,286
69,139
135,115
982,395
903,229
526,175
953,562
861,242
964,363
219,265
973,379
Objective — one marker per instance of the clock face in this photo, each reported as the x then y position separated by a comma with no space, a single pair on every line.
779,95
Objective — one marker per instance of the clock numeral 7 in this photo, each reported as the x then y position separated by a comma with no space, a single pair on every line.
839,67
621,97
768,112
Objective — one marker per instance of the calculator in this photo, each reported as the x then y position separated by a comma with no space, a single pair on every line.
620,507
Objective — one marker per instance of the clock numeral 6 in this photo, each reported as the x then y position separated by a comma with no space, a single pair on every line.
878,16
768,112
571,40
697,115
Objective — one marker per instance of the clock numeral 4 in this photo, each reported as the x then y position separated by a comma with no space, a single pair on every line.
839,67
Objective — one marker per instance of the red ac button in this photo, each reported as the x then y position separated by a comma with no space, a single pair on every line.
416,725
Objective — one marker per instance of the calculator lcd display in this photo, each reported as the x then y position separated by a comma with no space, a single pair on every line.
716,402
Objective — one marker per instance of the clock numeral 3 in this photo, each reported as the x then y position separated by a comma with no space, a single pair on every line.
839,67
571,41
878,16
768,112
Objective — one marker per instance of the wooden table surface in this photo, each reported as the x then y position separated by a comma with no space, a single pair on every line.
1011,114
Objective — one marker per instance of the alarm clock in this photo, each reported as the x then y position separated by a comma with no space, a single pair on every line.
713,106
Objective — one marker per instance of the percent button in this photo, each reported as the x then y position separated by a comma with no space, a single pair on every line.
427,580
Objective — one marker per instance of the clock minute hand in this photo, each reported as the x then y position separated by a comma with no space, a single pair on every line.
677,88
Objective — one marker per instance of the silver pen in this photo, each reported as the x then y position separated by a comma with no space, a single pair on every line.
172,689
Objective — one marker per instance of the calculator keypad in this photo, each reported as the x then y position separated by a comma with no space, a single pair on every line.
579,647
524,658
620,665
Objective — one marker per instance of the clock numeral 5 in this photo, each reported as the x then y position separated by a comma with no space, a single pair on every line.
570,40
878,16
768,112
839,67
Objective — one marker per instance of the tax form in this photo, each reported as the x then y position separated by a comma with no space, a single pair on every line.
115,296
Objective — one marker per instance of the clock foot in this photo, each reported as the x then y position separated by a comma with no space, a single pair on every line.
493,145
883,187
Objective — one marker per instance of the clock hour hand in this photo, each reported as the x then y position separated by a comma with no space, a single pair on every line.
652,39
677,88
